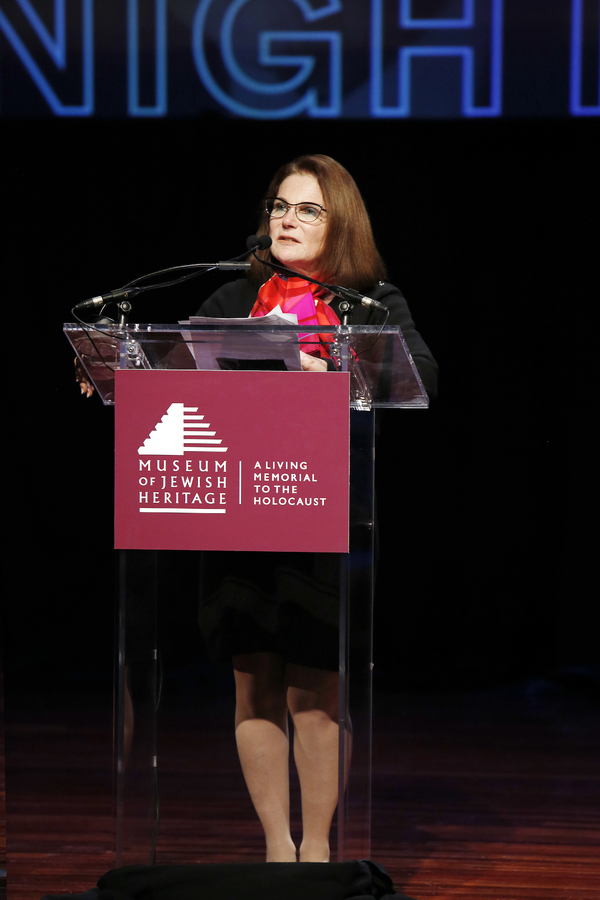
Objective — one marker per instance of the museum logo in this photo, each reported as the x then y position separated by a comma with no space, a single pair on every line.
193,485
181,430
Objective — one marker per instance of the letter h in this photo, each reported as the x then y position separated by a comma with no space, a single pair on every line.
392,88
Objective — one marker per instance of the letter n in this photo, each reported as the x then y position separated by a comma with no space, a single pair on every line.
59,58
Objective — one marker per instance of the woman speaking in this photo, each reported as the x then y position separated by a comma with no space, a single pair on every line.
276,614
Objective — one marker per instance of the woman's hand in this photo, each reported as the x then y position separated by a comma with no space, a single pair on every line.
312,363
82,379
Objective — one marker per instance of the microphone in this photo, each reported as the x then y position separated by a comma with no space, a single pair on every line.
261,243
256,242
357,297
228,265
112,297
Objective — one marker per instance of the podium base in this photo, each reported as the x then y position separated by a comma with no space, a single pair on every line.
245,881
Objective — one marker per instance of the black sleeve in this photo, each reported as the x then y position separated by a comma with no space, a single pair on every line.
400,315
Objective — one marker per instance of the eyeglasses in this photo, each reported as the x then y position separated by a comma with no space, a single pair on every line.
305,212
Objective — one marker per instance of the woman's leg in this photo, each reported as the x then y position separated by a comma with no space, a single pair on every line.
313,701
261,731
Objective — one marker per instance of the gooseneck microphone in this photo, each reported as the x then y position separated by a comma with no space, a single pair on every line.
262,242
112,297
253,243
137,287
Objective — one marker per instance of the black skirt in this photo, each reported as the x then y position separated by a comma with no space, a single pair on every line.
286,603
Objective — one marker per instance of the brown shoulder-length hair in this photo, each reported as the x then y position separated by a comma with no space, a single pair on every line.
349,256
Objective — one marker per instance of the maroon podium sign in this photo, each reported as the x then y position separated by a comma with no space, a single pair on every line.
231,460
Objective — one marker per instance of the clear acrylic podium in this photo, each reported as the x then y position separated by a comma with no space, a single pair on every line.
382,374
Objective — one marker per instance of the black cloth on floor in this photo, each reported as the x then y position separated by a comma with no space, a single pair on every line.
245,881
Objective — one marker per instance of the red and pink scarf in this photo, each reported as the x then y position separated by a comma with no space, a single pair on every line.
305,300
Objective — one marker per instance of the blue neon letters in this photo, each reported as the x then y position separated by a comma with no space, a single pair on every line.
263,60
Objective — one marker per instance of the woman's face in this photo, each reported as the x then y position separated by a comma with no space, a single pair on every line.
297,244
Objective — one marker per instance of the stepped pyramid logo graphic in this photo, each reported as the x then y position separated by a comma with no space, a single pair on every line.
181,430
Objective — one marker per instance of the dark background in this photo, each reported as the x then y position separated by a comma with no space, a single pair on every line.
487,568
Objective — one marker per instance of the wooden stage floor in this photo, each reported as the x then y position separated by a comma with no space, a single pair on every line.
485,795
